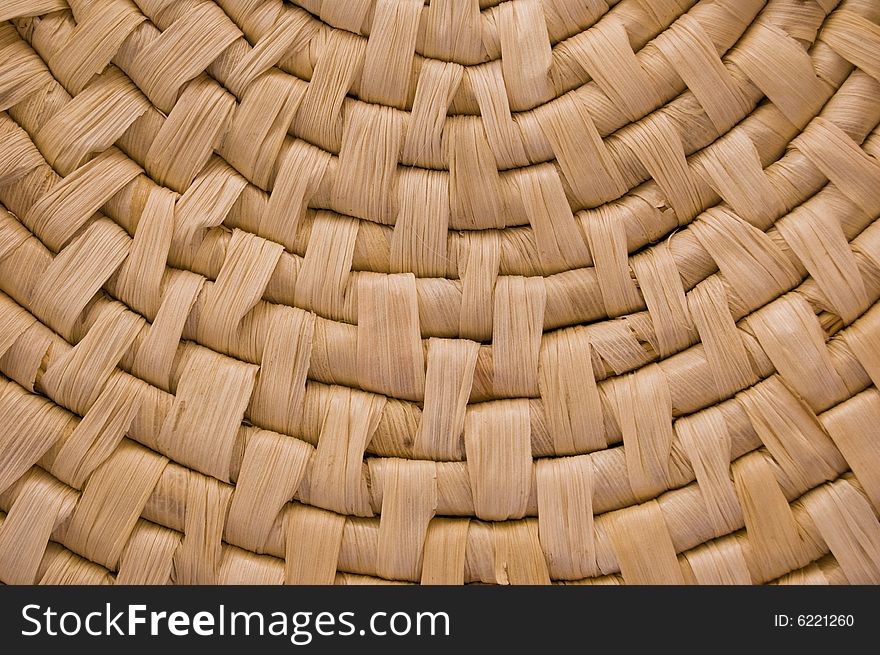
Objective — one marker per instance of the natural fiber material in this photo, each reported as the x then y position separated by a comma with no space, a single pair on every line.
456,291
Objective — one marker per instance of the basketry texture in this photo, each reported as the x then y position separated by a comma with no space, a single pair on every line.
516,291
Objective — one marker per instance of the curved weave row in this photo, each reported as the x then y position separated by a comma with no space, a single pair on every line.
463,291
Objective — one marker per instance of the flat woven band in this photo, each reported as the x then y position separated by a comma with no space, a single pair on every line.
499,291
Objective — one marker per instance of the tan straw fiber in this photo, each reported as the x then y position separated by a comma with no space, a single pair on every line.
502,291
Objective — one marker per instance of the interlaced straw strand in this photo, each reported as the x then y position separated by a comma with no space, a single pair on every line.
385,291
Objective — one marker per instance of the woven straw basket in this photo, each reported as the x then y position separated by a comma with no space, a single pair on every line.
501,291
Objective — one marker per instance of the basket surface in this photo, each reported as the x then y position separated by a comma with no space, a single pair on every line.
518,291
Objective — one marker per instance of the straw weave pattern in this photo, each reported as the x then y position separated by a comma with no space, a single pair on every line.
498,291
